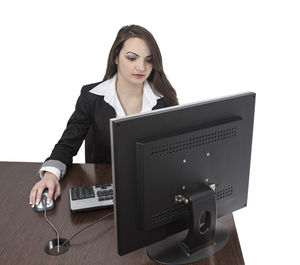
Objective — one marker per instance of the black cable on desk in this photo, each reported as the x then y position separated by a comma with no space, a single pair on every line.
111,213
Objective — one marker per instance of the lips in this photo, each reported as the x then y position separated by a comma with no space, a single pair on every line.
138,75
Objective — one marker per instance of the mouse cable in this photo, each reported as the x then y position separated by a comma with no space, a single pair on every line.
45,215
100,219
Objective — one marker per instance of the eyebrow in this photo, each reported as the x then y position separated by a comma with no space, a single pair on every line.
138,55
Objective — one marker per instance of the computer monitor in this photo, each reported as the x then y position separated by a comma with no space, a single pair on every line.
175,171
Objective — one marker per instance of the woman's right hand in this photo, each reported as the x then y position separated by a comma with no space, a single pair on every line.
48,181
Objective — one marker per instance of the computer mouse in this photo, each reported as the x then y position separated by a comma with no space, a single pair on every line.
43,205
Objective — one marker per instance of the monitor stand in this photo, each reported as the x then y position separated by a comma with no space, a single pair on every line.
204,237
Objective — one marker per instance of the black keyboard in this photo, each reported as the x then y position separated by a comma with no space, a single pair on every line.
91,197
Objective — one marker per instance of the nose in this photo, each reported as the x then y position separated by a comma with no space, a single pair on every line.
140,66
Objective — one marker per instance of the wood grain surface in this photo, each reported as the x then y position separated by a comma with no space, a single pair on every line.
24,233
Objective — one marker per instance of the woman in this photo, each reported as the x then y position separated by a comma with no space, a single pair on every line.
134,82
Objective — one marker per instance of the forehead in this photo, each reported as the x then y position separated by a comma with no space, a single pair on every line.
136,45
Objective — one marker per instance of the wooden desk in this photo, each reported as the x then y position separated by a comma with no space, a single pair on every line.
24,233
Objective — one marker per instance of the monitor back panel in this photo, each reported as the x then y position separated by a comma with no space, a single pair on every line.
170,166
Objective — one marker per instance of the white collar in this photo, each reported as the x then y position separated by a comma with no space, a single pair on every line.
108,90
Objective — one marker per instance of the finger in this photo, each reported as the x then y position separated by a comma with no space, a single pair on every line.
32,196
57,192
39,194
50,193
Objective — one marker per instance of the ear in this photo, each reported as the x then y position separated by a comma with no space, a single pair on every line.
117,60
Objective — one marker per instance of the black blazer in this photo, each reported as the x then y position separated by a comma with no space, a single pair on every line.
89,121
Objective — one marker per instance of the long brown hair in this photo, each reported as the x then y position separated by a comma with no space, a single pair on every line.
157,78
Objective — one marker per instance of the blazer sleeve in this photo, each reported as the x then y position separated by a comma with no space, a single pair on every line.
75,132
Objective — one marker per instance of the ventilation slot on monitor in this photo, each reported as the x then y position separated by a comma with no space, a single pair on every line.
169,215
221,194
194,142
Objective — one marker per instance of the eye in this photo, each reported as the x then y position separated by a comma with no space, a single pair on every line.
131,58
149,60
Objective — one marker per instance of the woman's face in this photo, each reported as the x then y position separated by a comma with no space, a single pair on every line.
134,62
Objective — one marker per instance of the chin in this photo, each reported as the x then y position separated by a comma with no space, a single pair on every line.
138,81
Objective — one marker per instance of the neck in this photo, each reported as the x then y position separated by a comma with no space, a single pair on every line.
127,89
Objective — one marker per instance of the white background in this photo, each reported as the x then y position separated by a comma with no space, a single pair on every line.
49,49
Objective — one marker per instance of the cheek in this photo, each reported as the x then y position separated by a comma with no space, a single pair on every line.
149,68
123,65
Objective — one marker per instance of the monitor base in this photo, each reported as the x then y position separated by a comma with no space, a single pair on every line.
170,250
